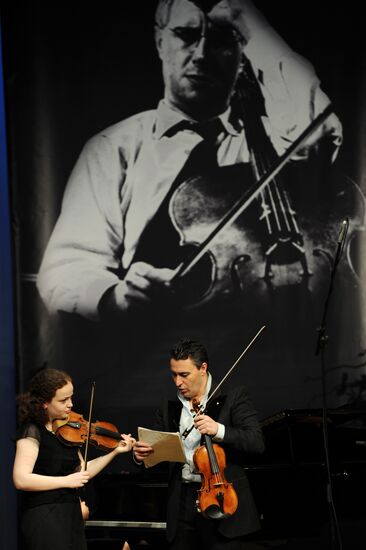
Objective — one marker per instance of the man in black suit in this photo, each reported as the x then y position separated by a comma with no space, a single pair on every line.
231,422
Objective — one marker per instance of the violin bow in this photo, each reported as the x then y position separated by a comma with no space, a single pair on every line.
188,430
234,365
249,196
89,424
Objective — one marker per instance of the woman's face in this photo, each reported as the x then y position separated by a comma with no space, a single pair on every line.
61,404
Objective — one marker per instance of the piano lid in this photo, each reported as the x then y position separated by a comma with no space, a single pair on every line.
295,436
340,415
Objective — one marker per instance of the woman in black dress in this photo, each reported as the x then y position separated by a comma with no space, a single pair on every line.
49,472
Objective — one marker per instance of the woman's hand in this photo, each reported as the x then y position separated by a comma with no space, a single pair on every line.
126,444
84,510
76,480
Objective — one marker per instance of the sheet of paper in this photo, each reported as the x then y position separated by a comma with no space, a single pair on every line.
167,446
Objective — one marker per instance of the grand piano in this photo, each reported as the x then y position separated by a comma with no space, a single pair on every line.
288,481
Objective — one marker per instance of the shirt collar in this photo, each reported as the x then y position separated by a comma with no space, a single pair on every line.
167,117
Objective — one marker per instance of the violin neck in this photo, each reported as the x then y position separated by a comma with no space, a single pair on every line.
208,443
211,455
99,430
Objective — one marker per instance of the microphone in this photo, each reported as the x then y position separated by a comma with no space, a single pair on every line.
343,231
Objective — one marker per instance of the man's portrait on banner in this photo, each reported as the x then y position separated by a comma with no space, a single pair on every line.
148,191
211,206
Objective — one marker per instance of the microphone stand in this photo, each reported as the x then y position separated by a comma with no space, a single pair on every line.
336,540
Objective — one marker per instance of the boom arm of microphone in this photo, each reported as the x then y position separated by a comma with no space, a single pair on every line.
322,339
341,240
340,246
343,231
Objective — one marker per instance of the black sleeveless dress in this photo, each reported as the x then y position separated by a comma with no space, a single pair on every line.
52,520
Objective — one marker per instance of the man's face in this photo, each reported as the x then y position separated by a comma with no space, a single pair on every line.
201,61
190,381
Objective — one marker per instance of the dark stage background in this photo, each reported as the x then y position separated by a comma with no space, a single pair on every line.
72,69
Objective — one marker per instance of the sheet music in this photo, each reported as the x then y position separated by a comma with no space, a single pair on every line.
167,446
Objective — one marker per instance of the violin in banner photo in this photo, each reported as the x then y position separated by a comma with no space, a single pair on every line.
264,225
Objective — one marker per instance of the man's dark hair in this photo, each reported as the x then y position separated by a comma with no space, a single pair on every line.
190,349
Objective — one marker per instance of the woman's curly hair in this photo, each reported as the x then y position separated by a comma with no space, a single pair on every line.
42,389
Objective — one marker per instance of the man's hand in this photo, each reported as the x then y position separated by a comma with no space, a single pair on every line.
143,283
205,425
242,15
142,450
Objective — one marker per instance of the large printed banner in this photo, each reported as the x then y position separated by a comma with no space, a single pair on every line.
135,227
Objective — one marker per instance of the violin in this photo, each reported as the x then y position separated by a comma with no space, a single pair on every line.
217,498
253,259
224,253
74,429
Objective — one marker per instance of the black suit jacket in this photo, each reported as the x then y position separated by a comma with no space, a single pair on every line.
243,437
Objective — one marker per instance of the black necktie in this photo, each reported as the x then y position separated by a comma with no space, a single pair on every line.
202,162
202,159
